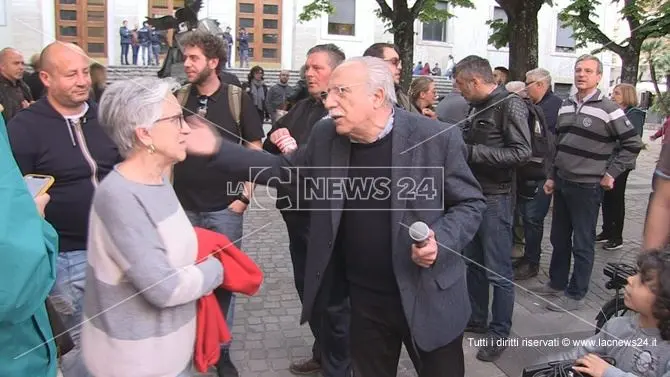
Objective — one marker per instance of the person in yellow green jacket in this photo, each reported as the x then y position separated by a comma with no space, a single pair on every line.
28,247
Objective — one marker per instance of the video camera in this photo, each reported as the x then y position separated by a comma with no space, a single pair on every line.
561,368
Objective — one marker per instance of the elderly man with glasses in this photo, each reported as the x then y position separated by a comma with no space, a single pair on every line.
401,291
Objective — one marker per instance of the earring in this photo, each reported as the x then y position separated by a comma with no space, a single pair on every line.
151,149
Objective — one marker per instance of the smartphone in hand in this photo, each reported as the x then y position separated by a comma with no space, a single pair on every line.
38,184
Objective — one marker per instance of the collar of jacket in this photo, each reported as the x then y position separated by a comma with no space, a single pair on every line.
546,95
497,94
595,97
6,81
43,107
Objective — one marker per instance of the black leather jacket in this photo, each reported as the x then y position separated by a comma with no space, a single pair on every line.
498,140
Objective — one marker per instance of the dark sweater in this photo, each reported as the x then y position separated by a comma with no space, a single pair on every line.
550,105
364,236
78,157
299,121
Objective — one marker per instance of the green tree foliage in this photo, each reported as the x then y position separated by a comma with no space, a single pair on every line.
399,20
645,19
655,59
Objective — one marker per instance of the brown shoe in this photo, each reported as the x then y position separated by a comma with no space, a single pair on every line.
305,367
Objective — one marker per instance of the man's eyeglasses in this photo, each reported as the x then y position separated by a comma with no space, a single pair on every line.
202,105
339,90
394,61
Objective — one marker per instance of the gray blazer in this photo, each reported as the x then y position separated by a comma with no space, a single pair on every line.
435,300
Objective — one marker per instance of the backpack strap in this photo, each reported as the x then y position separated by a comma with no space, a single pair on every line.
182,94
235,102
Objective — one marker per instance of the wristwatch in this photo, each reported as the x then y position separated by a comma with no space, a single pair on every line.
243,198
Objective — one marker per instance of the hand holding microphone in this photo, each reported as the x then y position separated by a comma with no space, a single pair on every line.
424,249
283,140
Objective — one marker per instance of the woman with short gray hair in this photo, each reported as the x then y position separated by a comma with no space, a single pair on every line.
144,279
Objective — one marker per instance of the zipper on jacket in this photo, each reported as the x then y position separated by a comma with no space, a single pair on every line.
85,151
70,126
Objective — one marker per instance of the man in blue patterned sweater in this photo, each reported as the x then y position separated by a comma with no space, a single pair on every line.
595,143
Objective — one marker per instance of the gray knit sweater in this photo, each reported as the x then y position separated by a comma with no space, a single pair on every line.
594,138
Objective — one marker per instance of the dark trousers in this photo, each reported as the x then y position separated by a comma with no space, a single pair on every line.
533,212
124,53
573,234
330,327
378,330
261,115
489,261
614,208
136,53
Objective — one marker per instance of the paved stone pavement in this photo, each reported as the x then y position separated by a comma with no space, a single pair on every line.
268,337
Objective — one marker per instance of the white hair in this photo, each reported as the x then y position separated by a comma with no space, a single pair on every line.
130,104
515,86
539,74
379,77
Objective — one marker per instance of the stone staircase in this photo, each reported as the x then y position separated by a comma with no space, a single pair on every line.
124,72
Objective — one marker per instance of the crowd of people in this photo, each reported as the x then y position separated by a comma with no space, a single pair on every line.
112,248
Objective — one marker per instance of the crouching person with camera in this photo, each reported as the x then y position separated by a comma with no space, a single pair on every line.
636,345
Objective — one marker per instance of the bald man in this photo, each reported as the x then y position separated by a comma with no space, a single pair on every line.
278,94
14,93
59,135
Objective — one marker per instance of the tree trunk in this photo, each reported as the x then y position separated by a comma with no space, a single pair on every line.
403,37
630,62
523,32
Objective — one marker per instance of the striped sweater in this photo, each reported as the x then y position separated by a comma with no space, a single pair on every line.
142,282
594,138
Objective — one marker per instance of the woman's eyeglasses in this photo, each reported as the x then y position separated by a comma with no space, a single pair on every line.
177,120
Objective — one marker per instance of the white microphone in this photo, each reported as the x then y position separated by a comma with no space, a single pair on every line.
419,232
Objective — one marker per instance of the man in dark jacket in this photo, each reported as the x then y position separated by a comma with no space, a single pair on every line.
329,351
124,34
59,135
144,37
14,93
498,141
538,89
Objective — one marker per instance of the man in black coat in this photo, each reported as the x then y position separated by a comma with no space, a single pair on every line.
299,121
359,246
